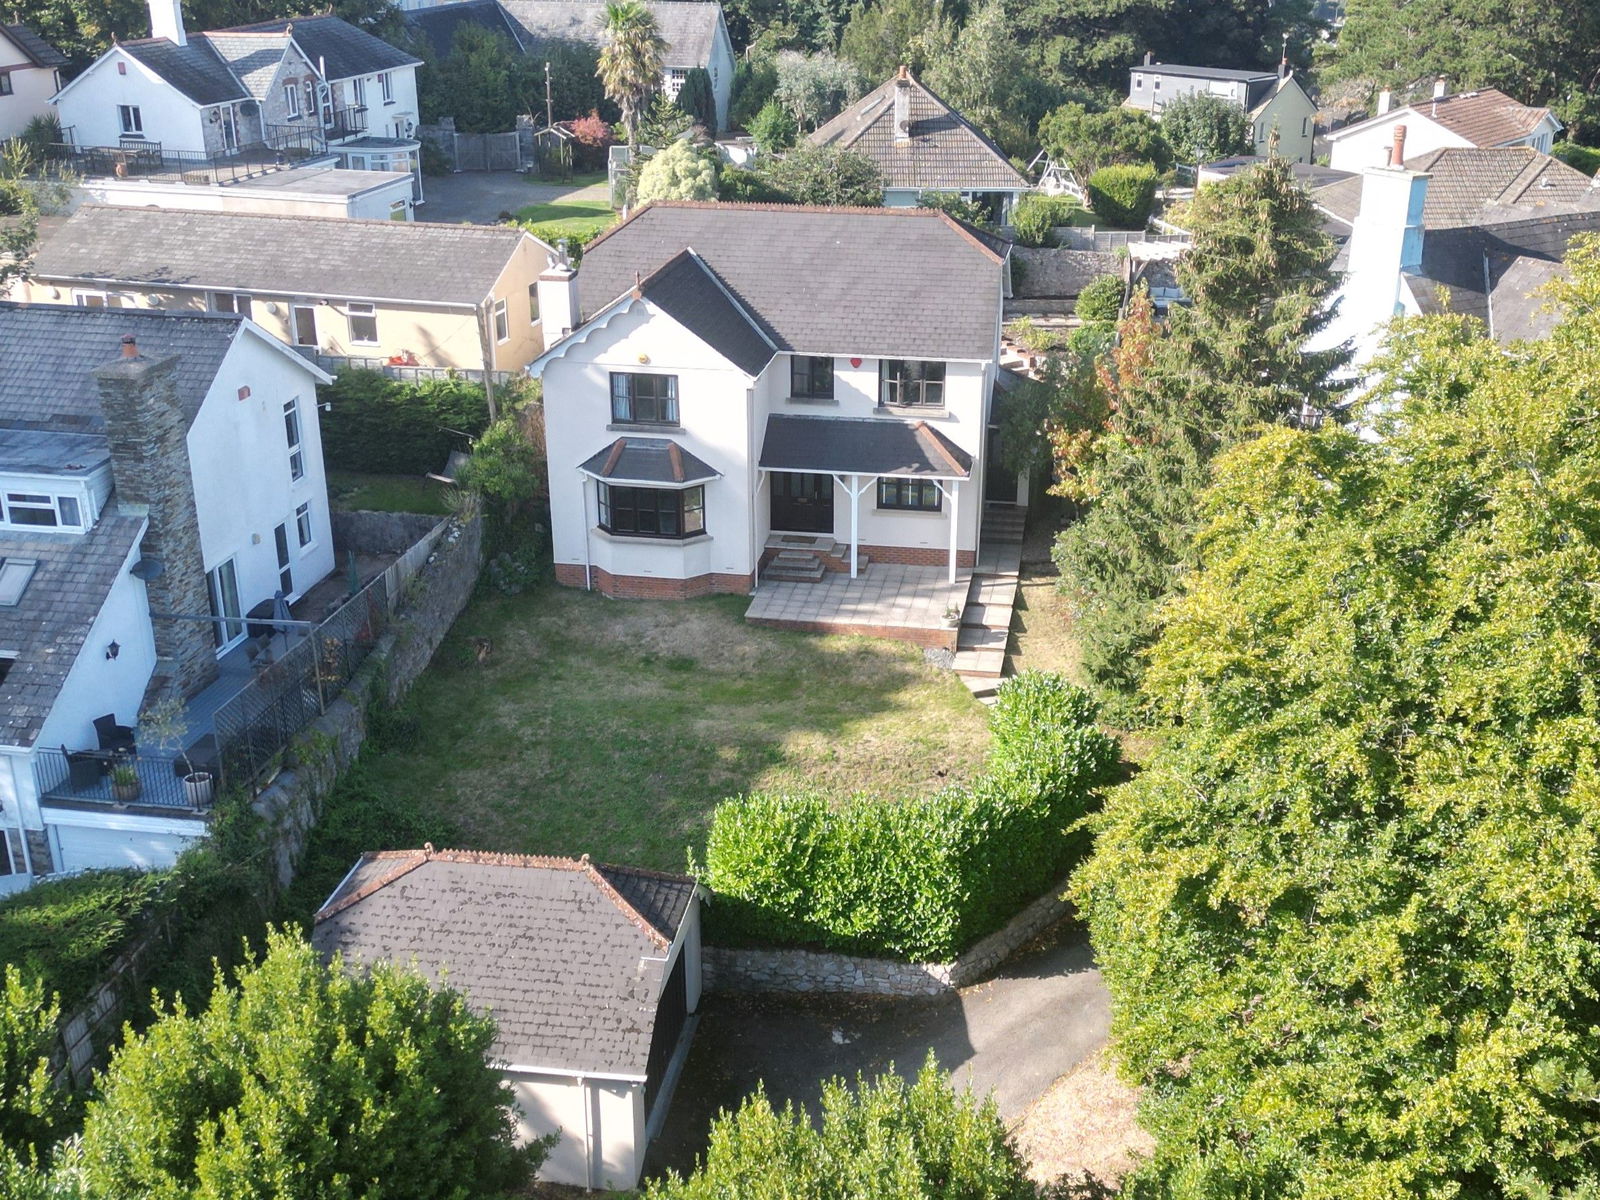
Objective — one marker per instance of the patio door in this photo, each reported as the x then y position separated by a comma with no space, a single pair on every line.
305,324
280,535
802,503
223,590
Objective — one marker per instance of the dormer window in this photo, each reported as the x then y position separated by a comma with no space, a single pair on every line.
40,510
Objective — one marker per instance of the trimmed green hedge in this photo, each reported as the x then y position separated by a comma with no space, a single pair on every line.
1036,215
923,878
67,931
1122,196
383,426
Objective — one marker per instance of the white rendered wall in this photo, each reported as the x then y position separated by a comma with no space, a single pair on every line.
88,106
601,1123
84,841
31,89
245,198
1369,146
721,68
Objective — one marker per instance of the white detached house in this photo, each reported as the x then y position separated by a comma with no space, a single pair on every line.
739,375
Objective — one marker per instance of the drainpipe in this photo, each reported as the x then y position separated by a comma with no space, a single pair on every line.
588,1136
588,573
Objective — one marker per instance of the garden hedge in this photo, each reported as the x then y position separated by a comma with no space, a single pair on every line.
67,931
1036,216
385,426
923,878
1122,196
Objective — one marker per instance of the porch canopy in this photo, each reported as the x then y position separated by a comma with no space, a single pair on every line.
858,451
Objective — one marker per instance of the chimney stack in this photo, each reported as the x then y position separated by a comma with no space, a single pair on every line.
902,107
1439,88
148,432
1149,57
1385,101
1397,155
166,21
557,290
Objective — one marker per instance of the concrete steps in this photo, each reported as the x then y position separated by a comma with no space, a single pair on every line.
795,566
802,559
1003,524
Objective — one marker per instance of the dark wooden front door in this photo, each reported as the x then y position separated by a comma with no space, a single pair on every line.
999,484
802,503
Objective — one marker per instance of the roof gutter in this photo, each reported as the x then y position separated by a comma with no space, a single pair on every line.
56,280
571,1073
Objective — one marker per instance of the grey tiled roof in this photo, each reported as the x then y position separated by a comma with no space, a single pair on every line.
1522,312
50,349
428,264
47,627
647,460
40,52
1455,262
889,282
51,451
687,290
253,57
336,47
440,23
1487,117
1469,186
860,446
194,69
944,151
569,968
1191,72
688,28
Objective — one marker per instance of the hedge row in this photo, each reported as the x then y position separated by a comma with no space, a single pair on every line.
68,931
1122,196
389,427
920,879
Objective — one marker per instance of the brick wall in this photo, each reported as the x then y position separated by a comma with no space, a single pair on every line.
933,639
651,587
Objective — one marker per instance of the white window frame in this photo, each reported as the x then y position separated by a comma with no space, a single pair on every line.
294,325
294,434
229,302
291,96
358,92
386,86
32,501
85,297
304,534
502,323
130,120
355,310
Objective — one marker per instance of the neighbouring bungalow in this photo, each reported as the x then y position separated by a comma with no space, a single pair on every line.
1487,119
447,296
591,973
30,73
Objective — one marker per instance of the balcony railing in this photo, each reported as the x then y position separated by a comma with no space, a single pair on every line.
143,780
154,162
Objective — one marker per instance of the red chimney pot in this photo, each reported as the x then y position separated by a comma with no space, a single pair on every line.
1398,157
130,346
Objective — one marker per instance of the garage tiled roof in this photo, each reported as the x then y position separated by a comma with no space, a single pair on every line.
885,282
566,956
647,460
689,28
861,446
944,152
432,265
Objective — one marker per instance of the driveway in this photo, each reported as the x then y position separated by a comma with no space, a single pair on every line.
479,197
1015,1035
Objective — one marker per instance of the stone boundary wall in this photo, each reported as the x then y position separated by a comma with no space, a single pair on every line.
379,532
736,969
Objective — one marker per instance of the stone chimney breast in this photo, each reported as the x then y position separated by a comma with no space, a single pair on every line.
902,106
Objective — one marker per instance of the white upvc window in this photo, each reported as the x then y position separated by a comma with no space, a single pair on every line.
40,510
291,100
85,299
302,524
386,86
502,323
131,120
363,324
230,302
291,429
358,93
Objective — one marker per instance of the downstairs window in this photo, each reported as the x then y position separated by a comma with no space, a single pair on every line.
653,512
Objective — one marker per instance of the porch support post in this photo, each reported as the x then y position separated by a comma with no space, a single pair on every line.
955,523
855,524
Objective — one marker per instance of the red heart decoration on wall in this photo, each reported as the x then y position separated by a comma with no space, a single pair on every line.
855,362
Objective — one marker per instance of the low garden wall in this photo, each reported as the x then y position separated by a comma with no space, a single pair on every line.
737,969
380,532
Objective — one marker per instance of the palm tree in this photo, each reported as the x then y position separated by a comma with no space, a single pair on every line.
630,61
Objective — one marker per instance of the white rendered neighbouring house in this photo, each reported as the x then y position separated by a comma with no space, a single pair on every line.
740,372
160,477
312,89
1487,119
30,73
1273,101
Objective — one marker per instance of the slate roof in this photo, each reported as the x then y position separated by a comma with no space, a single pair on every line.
47,627
1522,312
647,460
567,956
944,151
440,23
195,69
50,350
861,446
432,265
1472,186
52,451
889,282
40,52
1228,74
337,48
253,57
688,28
688,291
1461,267
1486,117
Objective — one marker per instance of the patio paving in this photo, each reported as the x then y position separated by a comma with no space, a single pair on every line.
907,603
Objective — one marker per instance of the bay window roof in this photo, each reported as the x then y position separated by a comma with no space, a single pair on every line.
648,461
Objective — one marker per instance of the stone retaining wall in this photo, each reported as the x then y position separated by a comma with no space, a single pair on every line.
736,969
379,532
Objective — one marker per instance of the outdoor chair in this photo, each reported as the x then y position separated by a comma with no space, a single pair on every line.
84,768
114,738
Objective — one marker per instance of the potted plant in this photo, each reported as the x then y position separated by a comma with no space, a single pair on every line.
125,784
952,616
167,725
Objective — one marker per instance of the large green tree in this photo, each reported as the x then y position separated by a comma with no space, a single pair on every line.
884,36
630,59
1350,913
814,87
989,79
885,1139
1539,51
1085,141
301,1080
1202,128
484,82
1257,277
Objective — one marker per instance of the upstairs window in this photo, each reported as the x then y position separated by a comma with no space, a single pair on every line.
502,322
230,302
910,383
386,86
291,101
5,84
131,120
811,378
302,524
533,304
363,325
37,510
644,399
653,512
291,428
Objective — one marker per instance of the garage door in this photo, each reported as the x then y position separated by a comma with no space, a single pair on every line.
82,849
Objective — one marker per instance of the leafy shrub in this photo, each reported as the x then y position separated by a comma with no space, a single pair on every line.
737,184
697,99
958,207
67,931
679,172
1101,299
1579,158
773,128
917,878
1036,215
883,1138
382,425
754,81
1122,196
826,175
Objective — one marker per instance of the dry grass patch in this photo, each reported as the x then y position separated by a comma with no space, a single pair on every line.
1084,1128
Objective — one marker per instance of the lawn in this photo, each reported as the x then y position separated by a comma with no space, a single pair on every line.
357,491
569,217
613,727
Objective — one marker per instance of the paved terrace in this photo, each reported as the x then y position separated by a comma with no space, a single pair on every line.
906,603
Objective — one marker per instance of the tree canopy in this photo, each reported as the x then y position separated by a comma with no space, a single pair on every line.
680,172
1202,128
1085,141
814,87
811,174
883,37
1347,913
630,59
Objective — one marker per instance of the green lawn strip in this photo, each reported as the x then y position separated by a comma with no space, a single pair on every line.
354,491
613,728
569,216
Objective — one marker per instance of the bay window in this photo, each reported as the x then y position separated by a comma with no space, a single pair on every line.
653,512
